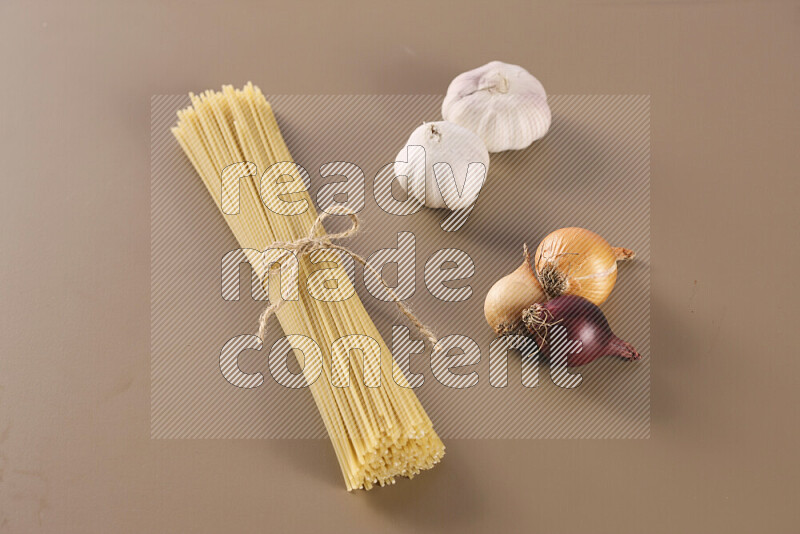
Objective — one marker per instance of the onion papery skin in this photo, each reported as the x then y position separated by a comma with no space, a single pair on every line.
583,322
510,295
576,261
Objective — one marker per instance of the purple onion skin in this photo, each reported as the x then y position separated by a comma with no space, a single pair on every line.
583,322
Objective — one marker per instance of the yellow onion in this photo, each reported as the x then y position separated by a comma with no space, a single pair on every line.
512,294
577,261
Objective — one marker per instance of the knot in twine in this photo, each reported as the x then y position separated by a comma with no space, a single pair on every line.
305,245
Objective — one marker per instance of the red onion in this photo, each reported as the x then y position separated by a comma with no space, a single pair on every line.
583,322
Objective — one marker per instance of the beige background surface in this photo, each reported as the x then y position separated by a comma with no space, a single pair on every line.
75,453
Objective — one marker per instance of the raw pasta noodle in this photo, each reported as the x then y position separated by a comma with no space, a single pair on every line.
378,433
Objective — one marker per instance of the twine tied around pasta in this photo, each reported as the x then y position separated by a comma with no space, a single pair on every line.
312,242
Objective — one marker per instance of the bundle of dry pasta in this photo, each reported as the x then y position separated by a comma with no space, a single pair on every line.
378,433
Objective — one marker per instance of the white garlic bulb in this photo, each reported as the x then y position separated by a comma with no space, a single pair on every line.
443,165
503,103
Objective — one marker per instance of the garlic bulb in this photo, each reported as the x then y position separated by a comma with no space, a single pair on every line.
579,262
510,295
443,142
503,103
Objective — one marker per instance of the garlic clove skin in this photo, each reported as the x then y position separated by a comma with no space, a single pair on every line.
503,103
443,142
510,295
